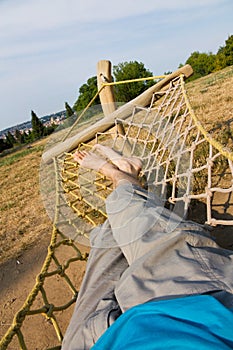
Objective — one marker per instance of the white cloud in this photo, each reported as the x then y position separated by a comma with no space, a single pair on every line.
30,27
35,47
18,16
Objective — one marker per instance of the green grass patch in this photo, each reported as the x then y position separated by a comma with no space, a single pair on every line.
7,206
11,159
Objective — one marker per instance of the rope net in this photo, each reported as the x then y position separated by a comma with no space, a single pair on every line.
182,163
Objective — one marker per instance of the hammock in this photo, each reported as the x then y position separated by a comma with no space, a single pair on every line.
182,163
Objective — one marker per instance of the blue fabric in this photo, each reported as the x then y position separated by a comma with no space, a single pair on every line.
195,322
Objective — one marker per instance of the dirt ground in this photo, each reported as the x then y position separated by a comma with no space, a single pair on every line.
17,278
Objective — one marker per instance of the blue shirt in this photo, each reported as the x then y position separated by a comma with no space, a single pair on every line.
195,322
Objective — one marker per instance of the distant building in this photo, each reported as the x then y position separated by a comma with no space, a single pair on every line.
56,118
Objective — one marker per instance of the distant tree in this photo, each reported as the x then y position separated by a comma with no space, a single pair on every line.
220,62
48,130
22,138
28,136
169,72
225,53
37,126
86,92
124,93
4,145
69,110
130,70
19,136
202,64
10,140
206,63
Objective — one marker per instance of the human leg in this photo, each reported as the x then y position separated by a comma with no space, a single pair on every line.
131,211
167,256
96,306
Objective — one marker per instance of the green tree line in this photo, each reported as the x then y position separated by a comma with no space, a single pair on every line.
38,130
17,138
206,63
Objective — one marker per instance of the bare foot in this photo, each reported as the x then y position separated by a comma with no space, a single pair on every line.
130,165
92,161
89,160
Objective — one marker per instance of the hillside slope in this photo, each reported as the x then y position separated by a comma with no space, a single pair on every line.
211,98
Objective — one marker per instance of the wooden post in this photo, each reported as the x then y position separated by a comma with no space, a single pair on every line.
107,98
104,75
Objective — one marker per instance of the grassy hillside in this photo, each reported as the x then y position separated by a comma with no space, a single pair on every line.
211,98
23,217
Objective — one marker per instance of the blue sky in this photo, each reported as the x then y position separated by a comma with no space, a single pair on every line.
49,48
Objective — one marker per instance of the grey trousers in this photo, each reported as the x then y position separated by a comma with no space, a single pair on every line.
144,252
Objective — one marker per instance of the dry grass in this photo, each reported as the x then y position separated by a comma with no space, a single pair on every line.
23,217
211,98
